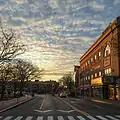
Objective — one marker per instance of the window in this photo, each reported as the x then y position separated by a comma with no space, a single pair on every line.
99,54
88,61
107,50
91,76
88,77
95,74
91,59
100,73
95,57
109,70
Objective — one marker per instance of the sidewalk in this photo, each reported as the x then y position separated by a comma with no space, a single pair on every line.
12,102
98,100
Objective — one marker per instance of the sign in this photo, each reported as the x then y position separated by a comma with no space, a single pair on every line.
96,81
106,61
108,79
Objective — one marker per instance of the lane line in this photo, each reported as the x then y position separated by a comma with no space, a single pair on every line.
113,118
71,118
60,117
29,118
39,118
102,118
50,117
74,108
8,118
81,118
18,118
43,102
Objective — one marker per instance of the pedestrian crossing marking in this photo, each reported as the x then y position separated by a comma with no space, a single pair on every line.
60,118
80,117
8,118
71,118
106,117
19,118
112,118
91,118
29,118
40,118
50,117
101,118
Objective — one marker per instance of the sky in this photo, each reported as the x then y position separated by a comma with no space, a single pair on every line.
57,32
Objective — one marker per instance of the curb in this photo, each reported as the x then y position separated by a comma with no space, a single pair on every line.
13,106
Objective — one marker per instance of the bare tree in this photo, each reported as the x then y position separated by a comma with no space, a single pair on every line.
10,47
26,71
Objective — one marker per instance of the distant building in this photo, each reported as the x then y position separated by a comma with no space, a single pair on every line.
100,65
76,78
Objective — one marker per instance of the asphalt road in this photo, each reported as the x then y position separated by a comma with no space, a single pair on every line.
48,107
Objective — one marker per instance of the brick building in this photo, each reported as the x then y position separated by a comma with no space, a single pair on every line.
76,78
100,65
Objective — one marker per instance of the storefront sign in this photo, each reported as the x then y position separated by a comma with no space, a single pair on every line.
97,81
108,80
107,61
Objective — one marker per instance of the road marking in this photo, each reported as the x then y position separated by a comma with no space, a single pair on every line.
66,111
81,118
8,118
70,117
80,111
102,118
90,117
50,117
19,118
40,118
60,118
43,111
43,102
117,116
29,118
111,117
0,117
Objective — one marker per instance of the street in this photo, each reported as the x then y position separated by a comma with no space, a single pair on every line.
48,107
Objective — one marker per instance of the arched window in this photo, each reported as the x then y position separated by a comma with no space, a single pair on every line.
107,50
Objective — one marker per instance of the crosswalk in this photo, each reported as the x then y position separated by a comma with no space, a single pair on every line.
106,117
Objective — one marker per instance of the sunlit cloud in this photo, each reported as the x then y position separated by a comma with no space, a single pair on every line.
57,32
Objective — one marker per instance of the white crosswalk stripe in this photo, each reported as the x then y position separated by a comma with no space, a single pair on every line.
112,118
40,118
50,117
60,118
71,118
81,118
18,118
8,118
101,118
91,118
29,118
106,117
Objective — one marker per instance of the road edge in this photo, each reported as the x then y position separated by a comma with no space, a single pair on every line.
13,106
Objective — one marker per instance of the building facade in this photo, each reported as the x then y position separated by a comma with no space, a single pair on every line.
100,65
76,79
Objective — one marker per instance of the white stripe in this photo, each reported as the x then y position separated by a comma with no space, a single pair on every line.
19,118
117,116
111,117
8,118
90,117
81,118
29,118
40,118
50,117
71,118
102,118
60,118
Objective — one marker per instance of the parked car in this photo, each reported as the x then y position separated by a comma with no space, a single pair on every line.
63,94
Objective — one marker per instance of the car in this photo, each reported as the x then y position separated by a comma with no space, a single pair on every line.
63,95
